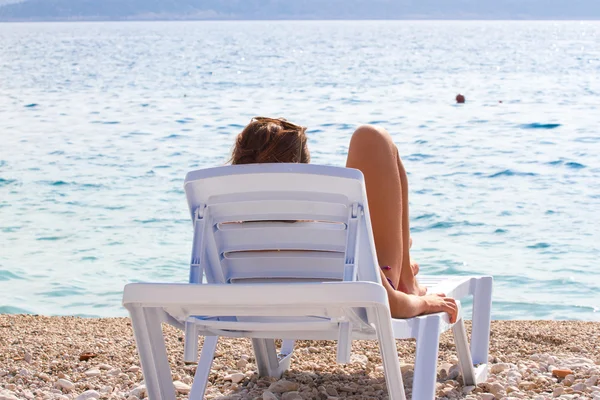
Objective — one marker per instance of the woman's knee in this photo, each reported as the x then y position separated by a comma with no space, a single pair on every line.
371,136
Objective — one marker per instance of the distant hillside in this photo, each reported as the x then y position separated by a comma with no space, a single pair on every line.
30,10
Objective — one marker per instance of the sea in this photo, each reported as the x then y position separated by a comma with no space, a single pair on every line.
100,121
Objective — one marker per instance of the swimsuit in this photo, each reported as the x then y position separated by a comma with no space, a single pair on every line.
387,268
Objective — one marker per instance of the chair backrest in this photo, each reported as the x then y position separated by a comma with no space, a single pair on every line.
280,222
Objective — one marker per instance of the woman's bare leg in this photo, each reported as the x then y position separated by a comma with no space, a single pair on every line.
373,152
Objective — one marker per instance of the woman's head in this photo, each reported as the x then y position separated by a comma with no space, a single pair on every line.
270,140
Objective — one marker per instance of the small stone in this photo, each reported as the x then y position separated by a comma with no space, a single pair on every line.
454,372
65,384
241,363
181,387
235,378
24,372
283,386
526,385
579,386
497,368
11,386
3,373
406,367
88,394
379,368
313,350
8,395
495,388
44,377
106,389
114,372
27,357
511,389
330,390
105,366
291,396
92,372
486,396
468,389
28,395
87,355
269,396
133,368
569,379
139,392
592,380
561,373
557,392
359,359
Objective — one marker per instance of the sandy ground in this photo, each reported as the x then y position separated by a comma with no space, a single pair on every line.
40,358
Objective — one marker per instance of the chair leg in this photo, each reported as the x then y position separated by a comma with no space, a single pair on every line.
147,328
428,340
266,357
482,307
203,370
389,355
464,354
287,347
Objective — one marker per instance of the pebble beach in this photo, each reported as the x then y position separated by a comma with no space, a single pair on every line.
66,358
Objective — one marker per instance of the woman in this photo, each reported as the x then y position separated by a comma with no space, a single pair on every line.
372,151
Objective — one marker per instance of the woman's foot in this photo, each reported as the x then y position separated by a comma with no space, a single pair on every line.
415,267
414,288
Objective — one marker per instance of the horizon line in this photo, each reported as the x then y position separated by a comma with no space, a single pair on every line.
136,19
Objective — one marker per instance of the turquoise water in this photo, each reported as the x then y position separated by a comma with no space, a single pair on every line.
100,122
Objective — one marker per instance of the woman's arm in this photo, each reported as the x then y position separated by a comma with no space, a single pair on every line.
404,305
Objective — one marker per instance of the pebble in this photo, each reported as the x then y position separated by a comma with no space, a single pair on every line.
498,368
569,379
269,396
291,396
88,394
359,359
44,377
516,373
283,386
65,384
8,395
92,373
527,385
235,378
561,373
139,391
181,387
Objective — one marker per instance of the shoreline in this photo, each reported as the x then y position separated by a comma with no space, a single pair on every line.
40,358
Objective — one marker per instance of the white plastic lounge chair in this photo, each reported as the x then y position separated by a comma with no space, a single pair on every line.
316,278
